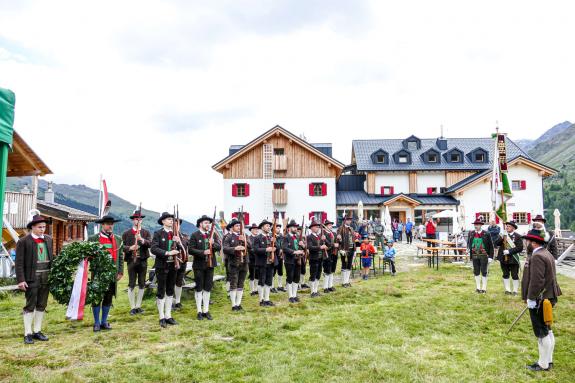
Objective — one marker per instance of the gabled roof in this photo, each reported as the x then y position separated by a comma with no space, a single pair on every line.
23,161
477,177
319,151
352,197
63,212
362,150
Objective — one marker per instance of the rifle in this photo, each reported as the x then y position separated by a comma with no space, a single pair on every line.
521,313
242,233
210,260
322,234
285,233
299,257
183,255
136,253
271,257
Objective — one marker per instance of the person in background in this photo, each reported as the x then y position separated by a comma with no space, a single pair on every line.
367,252
494,231
409,231
430,232
390,256
400,231
420,231
550,236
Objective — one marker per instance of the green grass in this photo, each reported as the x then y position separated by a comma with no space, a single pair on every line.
421,326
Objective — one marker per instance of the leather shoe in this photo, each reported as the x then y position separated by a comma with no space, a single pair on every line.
105,326
536,367
39,336
208,316
163,323
171,321
28,339
96,327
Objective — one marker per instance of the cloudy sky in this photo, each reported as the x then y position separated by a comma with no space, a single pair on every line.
152,93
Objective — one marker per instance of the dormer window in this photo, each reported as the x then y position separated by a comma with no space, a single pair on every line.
454,156
380,157
431,156
402,157
478,155
411,143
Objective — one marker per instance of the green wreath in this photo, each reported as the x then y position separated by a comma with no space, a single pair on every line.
102,271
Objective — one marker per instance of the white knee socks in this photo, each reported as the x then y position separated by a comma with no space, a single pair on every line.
515,285
326,281
161,303
267,293
178,291
198,296
484,280
261,292
545,351
239,295
478,282
168,307
280,284
140,298
28,318
131,298
233,295
330,281
38,316
552,338
206,299
507,285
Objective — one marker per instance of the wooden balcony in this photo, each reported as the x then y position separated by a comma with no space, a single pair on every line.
16,208
279,196
280,163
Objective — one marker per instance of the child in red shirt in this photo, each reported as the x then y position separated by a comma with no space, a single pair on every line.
367,251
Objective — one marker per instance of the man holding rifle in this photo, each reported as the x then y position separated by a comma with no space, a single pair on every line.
264,248
510,247
330,261
252,269
203,247
166,247
234,246
317,250
540,290
293,249
137,243
279,267
345,240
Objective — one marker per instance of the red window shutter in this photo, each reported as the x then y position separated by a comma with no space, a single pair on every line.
523,185
382,190
234,215
311,215
529,218
391,190
247,189
311,189
514,216
234,190
323,189
246,218
323,216
429,190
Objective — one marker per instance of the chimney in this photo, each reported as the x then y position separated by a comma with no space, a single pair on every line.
49,194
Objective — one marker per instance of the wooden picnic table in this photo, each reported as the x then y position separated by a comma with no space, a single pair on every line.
439,242
433,254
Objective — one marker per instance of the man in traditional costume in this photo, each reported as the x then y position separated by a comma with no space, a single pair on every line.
480,249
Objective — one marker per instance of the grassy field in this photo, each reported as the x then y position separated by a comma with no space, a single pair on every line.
420,326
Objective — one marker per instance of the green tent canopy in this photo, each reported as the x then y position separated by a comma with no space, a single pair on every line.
7,102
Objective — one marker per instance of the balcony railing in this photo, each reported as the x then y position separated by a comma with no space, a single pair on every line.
280,196
280,162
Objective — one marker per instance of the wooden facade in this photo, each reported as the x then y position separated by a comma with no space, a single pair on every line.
297,159
453,177
412,182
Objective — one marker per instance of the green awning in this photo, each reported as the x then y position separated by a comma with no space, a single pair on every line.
7,101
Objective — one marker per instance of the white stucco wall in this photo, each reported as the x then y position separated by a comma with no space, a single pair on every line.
300,203
399,180
478,198
430,179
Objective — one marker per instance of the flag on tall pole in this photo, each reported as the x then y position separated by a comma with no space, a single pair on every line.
500,188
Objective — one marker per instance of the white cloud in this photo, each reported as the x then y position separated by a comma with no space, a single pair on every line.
152,93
